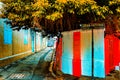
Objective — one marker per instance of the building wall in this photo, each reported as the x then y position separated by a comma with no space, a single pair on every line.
6,48
18,42
44,42
1,42
37,41
15,45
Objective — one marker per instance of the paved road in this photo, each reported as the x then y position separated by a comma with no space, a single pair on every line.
24,69
35,67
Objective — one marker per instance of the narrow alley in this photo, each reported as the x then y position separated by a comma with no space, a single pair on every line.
36,67
24,69
59,39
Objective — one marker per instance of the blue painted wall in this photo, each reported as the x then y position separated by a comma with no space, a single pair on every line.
7,33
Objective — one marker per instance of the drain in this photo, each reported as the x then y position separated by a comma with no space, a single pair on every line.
19,76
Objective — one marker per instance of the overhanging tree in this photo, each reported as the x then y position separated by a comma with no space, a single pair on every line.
57,15
19,12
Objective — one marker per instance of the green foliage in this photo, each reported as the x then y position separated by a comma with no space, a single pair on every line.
30,12
115,6
19,11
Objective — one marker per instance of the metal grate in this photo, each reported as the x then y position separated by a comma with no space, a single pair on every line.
20,76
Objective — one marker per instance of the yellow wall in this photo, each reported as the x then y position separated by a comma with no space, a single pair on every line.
18,42
1,42
40,44
17,48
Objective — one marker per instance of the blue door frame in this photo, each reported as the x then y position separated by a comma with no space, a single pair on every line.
33,40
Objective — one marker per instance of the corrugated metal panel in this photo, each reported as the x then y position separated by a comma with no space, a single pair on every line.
111,55
86,67
116,51
98,44
106,43
76,45
99,69
119,52
68,44
86,45
67,65
76,54
86,52
77,67
67,55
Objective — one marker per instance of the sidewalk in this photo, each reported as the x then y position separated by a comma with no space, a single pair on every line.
24,69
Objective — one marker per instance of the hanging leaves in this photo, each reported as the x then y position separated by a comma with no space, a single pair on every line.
34,13
115,5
